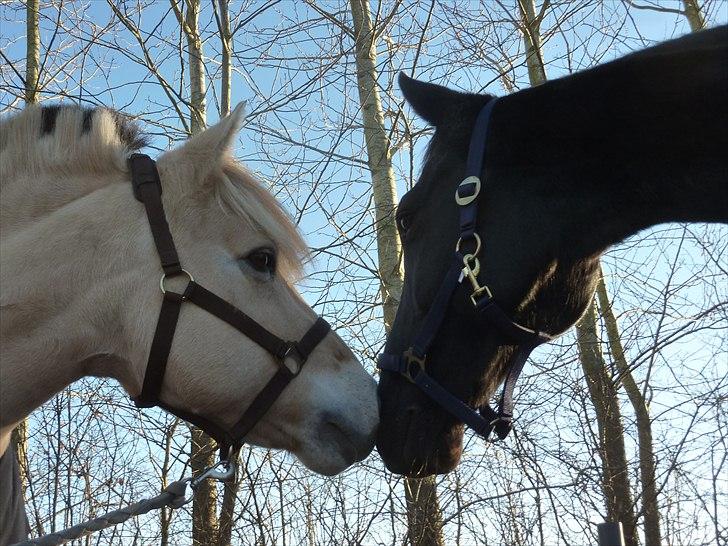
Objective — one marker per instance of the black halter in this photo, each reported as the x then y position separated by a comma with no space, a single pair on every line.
148,190
411,363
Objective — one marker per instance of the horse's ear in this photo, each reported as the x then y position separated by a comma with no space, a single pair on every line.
205,151
429,101
216,140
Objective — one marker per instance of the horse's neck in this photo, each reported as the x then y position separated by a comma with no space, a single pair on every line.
631,144
57,303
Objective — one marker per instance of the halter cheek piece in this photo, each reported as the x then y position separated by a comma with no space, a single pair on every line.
148,190
411,364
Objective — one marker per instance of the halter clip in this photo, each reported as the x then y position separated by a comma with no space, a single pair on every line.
472,274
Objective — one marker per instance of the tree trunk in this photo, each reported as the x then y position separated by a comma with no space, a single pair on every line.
531,30
644,423
615,478
694,15
423,511
198,115
384,189
202,447
223,22
19,435
230,494
204,505
32,57
615,473
424,518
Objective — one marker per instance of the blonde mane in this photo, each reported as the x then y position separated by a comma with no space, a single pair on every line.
69,141
66,140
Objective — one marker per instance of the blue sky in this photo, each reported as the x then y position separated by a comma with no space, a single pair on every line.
316,119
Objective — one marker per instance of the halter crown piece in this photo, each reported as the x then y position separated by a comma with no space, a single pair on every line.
148,190
411,364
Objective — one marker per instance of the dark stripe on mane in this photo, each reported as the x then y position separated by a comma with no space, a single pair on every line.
127,129
50,113
129,132
87,116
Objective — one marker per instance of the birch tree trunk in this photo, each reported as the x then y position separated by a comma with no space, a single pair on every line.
531,30
615,478
230,488
32,57
223,24
615,473
202,447
198,112
644,423
19,435
423,511
694,15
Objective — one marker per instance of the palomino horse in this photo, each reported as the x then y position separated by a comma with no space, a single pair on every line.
80,283
570,168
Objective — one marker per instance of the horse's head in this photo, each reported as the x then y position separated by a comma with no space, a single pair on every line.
95,252
233,237
531,276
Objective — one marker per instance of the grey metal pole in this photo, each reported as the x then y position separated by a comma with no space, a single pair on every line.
610,534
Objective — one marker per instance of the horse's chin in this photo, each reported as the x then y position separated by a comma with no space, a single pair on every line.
332,452
328,446
324,463
420,446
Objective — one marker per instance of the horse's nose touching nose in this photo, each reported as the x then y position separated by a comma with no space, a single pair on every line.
353,441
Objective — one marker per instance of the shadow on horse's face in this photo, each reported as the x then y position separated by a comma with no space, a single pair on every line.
520,262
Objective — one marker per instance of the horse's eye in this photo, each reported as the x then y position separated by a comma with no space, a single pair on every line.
404,221
262,260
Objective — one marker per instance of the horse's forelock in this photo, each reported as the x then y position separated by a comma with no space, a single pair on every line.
239,192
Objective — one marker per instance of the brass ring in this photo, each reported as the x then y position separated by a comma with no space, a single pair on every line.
477,244
164,277
462,201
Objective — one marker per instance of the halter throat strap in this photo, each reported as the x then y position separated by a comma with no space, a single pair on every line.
289,356
465,267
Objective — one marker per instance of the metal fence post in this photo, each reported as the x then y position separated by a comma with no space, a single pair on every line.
610,534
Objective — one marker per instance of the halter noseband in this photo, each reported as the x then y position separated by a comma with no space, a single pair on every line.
411,364
148,190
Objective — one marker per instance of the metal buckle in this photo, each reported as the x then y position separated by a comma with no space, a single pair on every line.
294,354
462,201
165,276
411,359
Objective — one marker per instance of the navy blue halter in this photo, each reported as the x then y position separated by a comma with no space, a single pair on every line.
411,364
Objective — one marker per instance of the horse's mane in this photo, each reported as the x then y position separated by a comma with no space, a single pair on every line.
67,140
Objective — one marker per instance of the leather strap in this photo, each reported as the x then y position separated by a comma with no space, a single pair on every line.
148,189
159,353
223,310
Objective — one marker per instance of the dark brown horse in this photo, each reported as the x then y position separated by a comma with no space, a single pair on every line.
571,167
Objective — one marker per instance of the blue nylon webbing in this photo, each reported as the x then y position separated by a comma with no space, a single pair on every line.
488,418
